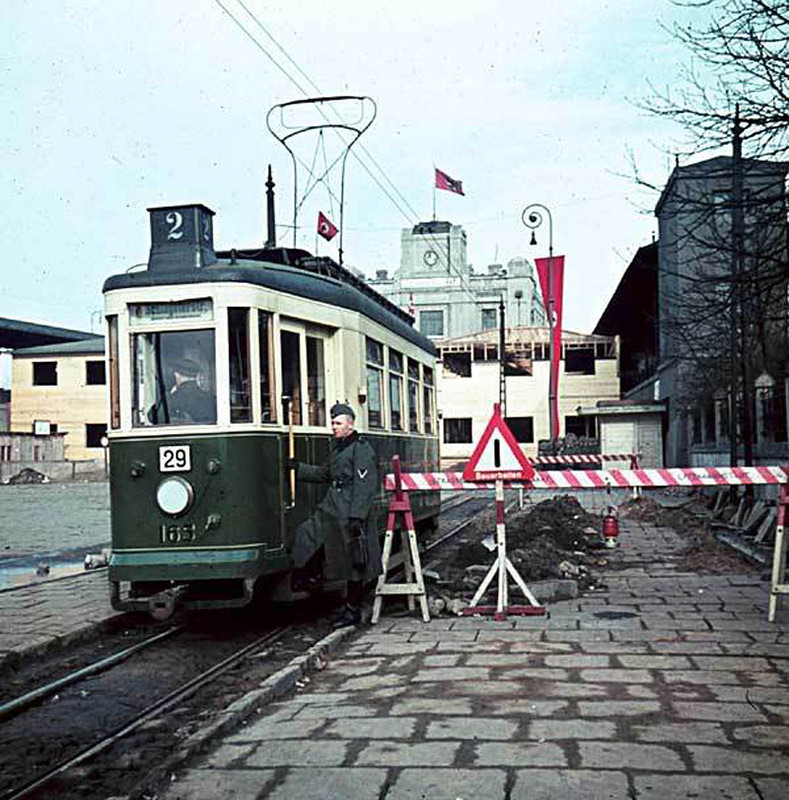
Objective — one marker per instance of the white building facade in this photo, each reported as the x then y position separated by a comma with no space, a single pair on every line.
447,297
468,384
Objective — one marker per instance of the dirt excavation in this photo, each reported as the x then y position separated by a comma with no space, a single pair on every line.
558,548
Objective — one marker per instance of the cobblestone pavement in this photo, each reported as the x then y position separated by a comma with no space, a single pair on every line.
43,518
662,685
52,613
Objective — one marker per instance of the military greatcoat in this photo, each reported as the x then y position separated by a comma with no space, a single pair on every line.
352,475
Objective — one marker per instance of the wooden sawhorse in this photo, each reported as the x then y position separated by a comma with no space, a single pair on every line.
414,586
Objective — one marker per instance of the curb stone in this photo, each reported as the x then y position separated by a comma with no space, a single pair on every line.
274,687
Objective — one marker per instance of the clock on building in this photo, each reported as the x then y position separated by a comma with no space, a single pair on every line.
430,258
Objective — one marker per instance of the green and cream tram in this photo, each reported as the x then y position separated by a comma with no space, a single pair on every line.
210,356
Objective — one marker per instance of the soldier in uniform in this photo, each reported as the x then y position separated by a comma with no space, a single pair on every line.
342,530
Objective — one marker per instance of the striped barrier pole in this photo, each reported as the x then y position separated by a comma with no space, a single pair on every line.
630,479
602,479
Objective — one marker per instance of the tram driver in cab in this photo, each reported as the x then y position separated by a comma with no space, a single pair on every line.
340,537
188,400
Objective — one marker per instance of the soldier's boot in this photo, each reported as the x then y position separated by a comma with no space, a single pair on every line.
348,615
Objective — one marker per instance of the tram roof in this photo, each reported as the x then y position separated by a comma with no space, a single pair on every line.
290,271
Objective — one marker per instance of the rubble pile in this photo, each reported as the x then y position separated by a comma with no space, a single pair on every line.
555,539
28,475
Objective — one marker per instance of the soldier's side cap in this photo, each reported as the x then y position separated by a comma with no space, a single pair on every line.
342,408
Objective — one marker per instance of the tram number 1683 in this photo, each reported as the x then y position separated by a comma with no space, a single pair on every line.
174,534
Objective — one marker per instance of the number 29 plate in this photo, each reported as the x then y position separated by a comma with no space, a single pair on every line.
175,458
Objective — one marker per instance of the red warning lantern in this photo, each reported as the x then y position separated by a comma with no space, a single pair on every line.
611,528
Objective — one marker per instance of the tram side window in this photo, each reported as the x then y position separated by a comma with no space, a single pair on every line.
173,378
238,345
375,377
427,397
291,372
316,382
396,390
413,396
267,407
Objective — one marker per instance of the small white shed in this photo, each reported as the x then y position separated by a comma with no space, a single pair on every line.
626,427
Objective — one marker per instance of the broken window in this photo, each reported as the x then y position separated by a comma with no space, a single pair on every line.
457,431
457,365
522,428
579,360
518,363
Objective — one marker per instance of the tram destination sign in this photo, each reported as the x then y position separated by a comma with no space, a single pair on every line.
201,310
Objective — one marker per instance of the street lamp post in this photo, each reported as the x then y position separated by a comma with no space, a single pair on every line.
533,217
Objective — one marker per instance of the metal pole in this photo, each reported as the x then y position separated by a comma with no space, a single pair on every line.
532,217
741,310
502,359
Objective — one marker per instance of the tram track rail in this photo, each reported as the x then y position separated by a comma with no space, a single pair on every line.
136,703
153,710
12,707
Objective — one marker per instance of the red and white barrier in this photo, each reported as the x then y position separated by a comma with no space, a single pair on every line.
584,458
602,479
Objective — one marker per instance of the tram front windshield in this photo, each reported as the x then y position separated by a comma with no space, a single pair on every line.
174,378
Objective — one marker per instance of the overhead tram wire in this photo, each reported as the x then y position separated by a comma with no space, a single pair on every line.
438,243
411,214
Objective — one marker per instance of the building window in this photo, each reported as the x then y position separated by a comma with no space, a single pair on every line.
518,363
695,423
94,433
375,377
457,431
585,427
5,452
431,323
709,422
427,398
456,365
771,413
316,382
396,390
238,343
522,428
95,374
579,360
413,396
45,373
489,319
723,419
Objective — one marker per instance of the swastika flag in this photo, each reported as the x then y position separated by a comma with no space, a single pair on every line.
443,181
326,228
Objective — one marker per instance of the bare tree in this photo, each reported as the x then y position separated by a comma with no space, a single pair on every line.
739,57
723,281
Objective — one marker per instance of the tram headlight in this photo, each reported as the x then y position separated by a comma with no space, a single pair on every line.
174,495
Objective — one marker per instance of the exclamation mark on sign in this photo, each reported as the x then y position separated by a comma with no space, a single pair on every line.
497,453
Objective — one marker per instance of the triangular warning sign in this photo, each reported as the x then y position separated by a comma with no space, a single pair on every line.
497,455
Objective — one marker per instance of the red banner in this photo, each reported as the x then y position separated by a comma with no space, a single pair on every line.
550,271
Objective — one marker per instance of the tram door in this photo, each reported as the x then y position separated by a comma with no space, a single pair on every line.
303,364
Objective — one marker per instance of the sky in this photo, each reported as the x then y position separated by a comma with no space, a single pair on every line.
113,106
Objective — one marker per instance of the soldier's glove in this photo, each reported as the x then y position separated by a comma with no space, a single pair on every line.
358,549
291,464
